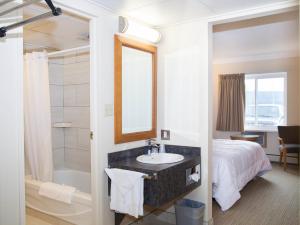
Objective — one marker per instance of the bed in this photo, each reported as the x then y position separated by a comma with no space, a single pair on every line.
235,163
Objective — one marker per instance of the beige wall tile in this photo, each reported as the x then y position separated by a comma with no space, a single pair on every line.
56,95
83,95
70,95
71,139
78,159
56,74
84,139
70,101
77,95
78,116
76,73
58,140
57,114
59,158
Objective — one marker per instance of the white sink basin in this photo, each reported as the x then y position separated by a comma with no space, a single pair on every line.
160,158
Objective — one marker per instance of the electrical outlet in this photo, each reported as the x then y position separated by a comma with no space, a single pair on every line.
165,135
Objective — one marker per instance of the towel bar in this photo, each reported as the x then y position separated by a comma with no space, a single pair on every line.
147,177
150,177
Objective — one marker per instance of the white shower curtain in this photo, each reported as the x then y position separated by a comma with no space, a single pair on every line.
38,141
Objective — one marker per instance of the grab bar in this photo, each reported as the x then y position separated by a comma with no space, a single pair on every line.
5,2
17,7
54,12
3,30
30,20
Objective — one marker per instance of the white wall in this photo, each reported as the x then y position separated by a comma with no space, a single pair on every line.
103,86
11,132
183,95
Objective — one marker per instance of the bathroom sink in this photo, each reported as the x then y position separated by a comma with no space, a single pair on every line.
160,158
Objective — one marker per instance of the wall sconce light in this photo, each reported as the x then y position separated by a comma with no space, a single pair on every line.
138,30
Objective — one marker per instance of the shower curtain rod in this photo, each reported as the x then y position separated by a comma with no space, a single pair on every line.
5,2
63,52
54,12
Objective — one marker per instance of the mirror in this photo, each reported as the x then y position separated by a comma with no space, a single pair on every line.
135,90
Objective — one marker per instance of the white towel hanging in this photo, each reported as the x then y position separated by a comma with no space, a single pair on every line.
127,191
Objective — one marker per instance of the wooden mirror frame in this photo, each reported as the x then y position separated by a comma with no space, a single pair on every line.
121,41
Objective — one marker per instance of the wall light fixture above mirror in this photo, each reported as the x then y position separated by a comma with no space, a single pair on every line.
135,90
135,29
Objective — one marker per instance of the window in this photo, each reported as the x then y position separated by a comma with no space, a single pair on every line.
265,100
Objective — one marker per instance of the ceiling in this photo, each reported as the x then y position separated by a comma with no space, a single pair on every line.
166,12
264,37
56,33
51,33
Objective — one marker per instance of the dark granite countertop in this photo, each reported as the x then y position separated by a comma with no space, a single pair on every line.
133,164
127,159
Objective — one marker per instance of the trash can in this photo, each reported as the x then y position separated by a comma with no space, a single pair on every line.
189,212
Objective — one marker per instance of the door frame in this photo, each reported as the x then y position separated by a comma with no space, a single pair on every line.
92,17
86,10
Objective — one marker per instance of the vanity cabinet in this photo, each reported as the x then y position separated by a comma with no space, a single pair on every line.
170,184
167,181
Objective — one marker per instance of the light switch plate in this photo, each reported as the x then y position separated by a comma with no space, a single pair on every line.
109,110
165,135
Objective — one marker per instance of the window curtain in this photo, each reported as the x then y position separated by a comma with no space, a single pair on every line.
231,112
38,142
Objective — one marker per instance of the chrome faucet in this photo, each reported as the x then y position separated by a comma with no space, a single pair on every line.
152,146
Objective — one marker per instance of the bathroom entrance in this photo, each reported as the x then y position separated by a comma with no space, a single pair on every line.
57,119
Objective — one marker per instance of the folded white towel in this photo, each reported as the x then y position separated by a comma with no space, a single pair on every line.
57,192
127,191
195,177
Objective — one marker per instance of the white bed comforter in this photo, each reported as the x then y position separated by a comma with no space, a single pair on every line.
235,163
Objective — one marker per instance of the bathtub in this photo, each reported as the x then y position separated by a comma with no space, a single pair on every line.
79,212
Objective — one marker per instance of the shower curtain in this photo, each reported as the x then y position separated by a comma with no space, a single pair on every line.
38,141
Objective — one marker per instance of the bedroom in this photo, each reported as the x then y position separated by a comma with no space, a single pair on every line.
257,58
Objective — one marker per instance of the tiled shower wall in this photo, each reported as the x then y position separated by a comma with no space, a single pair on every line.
56,80
70,103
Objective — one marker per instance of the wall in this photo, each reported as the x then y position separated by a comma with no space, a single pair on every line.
183,95
77,111
12,208
290,65
191,74
102,87
70,102
56,80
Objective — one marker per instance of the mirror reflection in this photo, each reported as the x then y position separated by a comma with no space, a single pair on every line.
136,90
